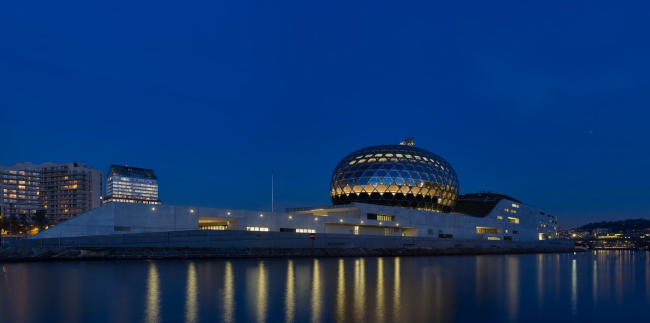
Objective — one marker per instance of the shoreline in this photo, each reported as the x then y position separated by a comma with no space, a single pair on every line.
38,254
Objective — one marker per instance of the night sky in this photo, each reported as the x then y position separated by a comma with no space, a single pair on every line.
547,102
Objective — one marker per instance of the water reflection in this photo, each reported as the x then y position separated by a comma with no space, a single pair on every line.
594,283
316,302
503,288
228,294
340,291
380,290
191,297
574,287
262,305
153,295
396,289
289,294
359,289
512,270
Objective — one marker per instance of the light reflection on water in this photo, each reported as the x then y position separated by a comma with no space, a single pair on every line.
594,286
153,295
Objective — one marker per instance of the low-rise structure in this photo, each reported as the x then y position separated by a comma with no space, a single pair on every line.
389,190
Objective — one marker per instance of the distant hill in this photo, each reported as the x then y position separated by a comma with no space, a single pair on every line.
615,226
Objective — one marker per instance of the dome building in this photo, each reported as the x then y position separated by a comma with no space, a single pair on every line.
395,175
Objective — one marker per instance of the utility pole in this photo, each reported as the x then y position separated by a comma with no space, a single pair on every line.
271,191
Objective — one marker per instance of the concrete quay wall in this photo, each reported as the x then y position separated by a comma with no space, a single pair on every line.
249,239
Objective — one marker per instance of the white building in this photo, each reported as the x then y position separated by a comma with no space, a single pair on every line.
387,190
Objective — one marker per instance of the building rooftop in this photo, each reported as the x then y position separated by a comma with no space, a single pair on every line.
479,204
133,172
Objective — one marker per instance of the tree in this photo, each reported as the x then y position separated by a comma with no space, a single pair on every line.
5,224
13,224
41,220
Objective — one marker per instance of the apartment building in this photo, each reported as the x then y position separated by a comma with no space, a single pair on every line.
61,190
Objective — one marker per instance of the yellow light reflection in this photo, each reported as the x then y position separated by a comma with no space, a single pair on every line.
647,278
229,294
594,277
316,302
396,291
359,290
262,304
380,290
152,311
340,293
513,286
290,295
540,280
191,302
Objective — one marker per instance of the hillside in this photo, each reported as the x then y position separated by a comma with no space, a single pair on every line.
616,226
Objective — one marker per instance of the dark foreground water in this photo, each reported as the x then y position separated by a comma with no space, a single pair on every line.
605,286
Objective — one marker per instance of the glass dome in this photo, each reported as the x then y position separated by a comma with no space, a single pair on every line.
395,175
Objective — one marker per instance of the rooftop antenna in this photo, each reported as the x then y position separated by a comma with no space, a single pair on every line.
271,191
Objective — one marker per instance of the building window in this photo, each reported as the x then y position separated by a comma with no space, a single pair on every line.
499,217
515,232
494,238
296,230
256,229
507,210
430,232
513,211
305,231
507,238
487,230
214,227
356,230
513,220
122,228
380,217
515,205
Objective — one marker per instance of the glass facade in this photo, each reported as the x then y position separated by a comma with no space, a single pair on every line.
131,185
395,175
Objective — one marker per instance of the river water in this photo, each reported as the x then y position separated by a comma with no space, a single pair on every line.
604,286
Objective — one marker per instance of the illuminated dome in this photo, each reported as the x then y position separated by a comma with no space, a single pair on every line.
395,175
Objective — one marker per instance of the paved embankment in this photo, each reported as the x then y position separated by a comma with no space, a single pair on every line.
9,254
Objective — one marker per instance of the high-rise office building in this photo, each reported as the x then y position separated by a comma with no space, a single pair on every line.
61,190
131,185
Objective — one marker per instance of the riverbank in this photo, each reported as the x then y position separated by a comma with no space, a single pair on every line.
12,254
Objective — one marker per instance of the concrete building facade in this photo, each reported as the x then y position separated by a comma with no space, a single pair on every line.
527,224
62,191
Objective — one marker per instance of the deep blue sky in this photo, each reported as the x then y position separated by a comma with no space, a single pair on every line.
547,101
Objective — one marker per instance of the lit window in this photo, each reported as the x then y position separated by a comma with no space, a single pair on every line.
494,238
499,217
256,229
507,210
513,220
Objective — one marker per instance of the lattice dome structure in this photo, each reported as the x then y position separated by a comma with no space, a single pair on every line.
395,175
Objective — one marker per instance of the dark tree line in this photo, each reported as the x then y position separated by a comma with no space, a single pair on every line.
24,223
631,225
